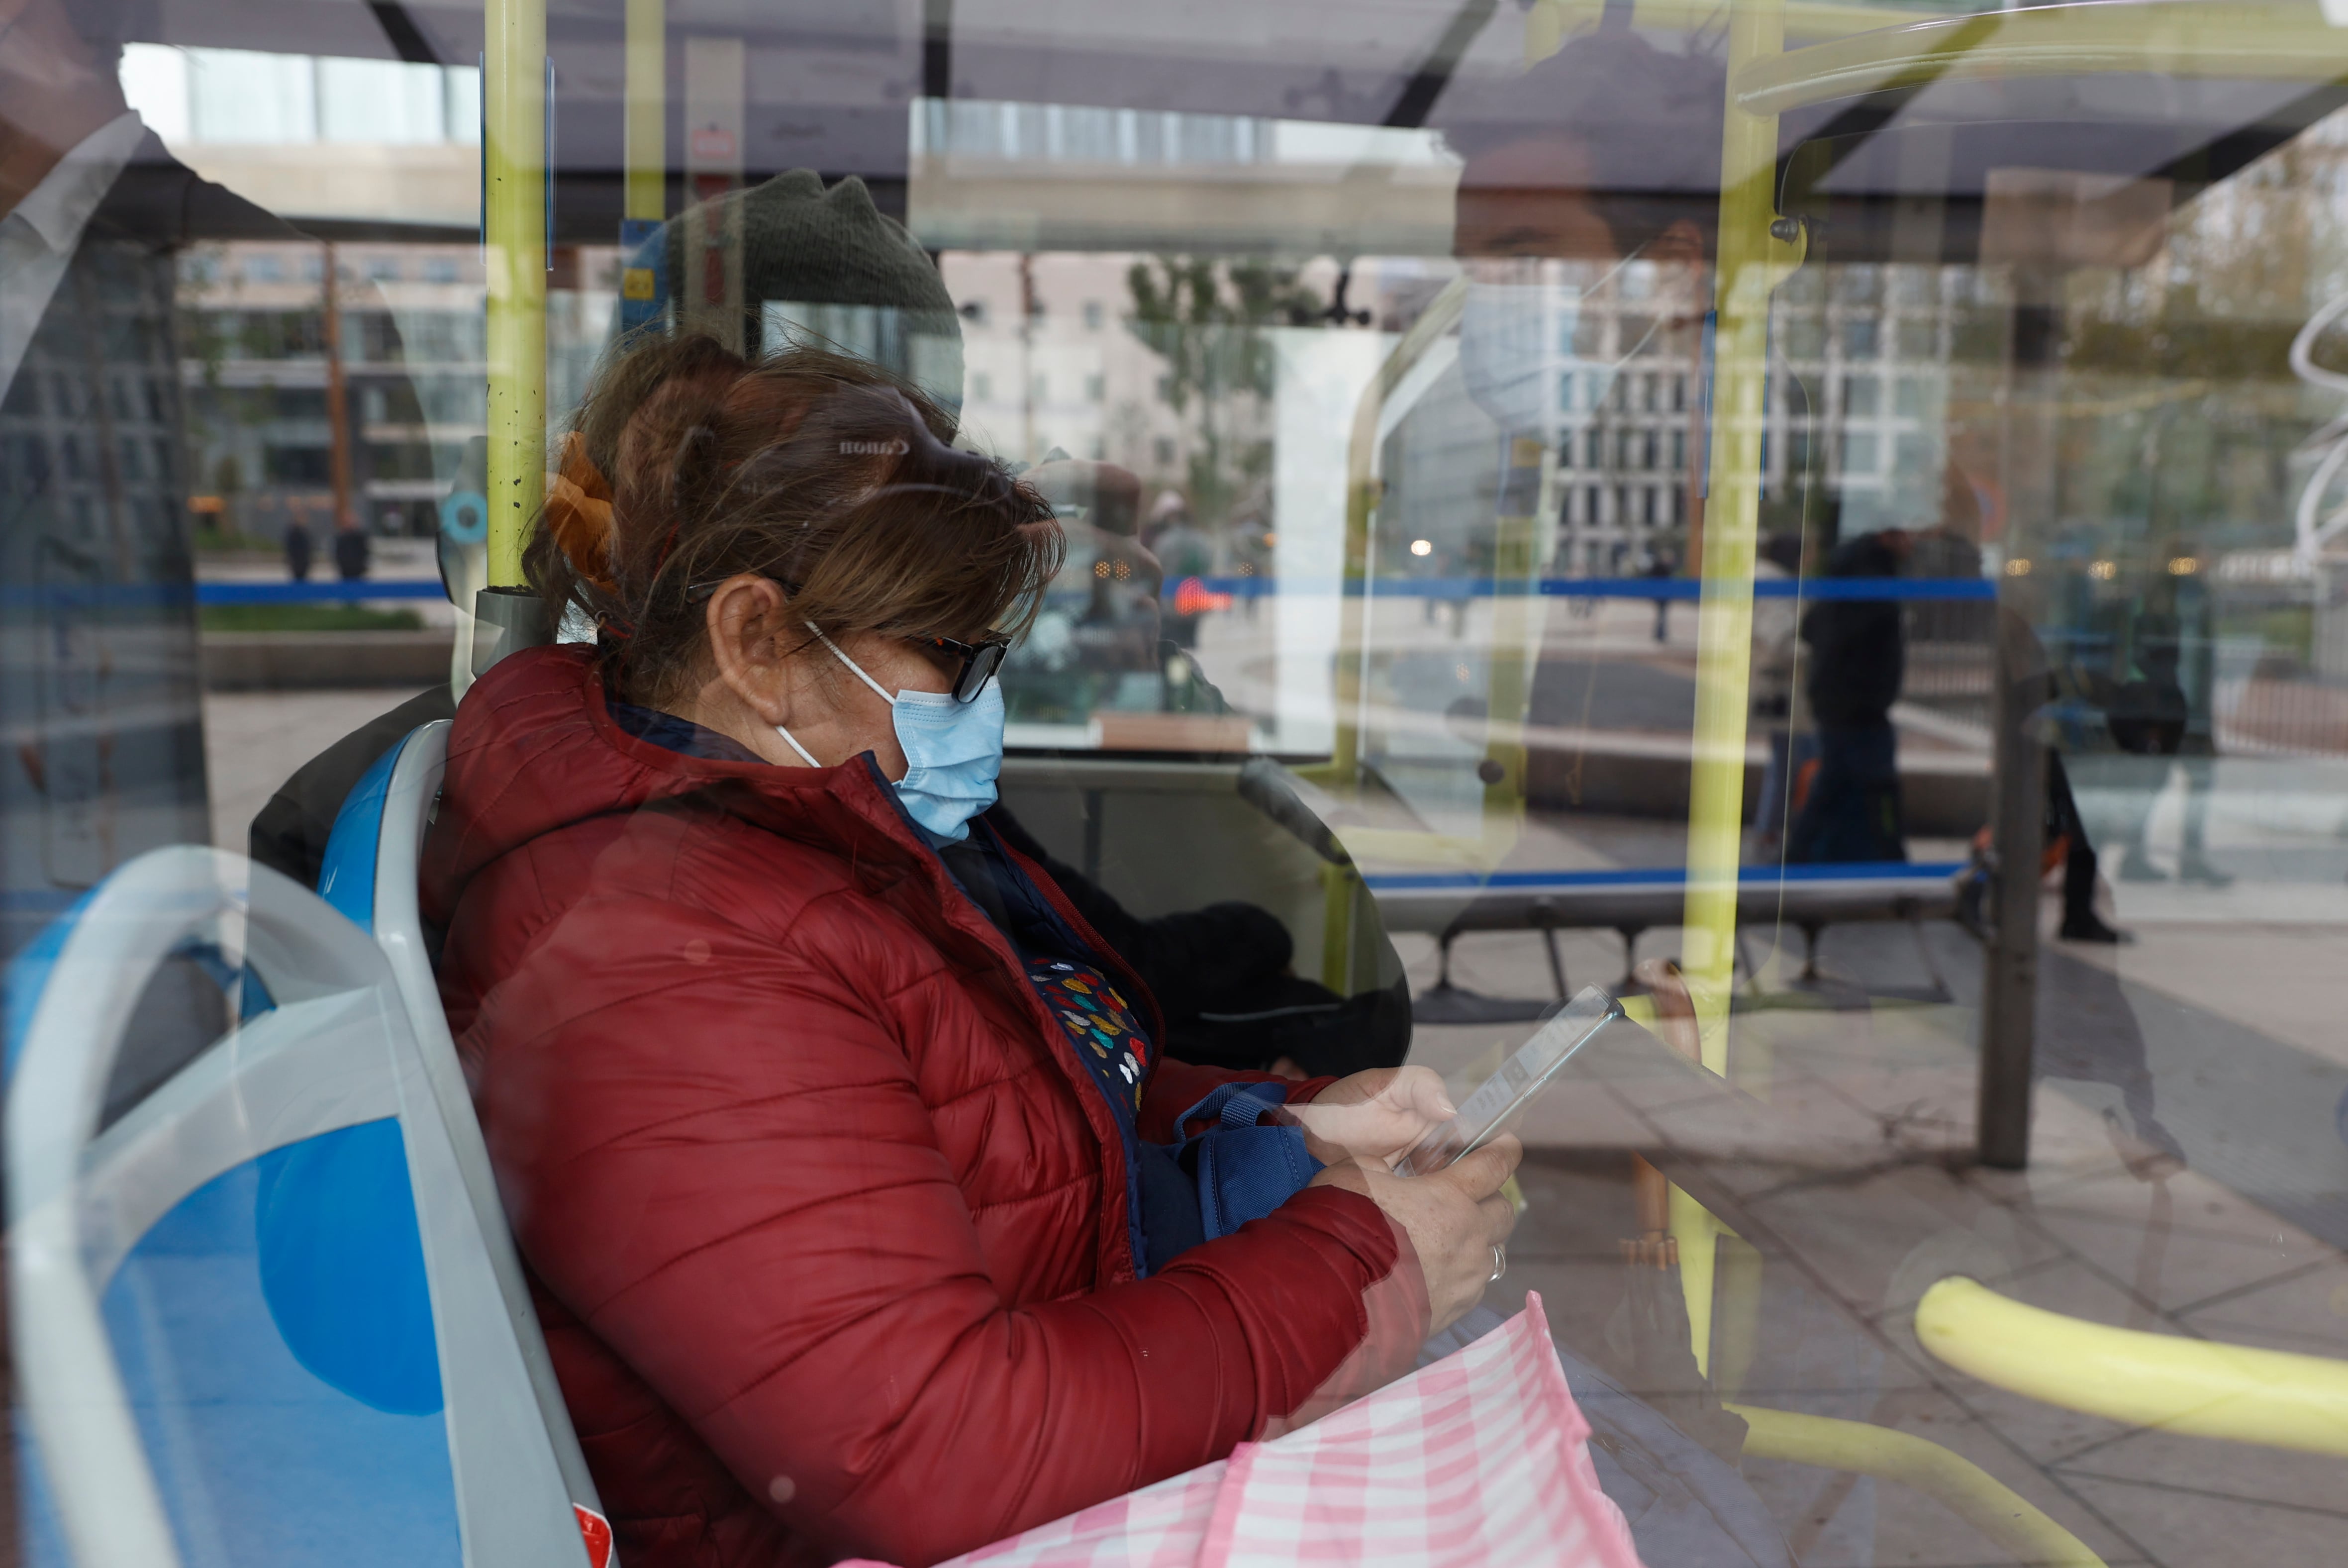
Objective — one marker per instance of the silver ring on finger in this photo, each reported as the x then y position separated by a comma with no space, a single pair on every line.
1499,1261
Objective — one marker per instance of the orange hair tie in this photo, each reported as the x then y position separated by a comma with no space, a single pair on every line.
578,510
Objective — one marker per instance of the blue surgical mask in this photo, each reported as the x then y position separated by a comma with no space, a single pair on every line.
953,750
1519,352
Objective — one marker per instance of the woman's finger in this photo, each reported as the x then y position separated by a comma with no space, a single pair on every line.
1480,1174
1420,1089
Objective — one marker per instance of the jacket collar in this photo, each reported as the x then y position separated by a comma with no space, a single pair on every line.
535,749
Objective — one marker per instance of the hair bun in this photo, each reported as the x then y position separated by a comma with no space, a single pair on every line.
579,513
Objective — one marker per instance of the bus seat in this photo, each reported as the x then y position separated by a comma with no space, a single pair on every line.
198,1387
369,874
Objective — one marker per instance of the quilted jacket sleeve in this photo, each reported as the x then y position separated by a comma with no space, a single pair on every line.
723,1164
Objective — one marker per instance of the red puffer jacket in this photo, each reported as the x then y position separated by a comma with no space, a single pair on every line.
826,1227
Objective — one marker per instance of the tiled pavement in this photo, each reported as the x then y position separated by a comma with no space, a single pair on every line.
1843,1165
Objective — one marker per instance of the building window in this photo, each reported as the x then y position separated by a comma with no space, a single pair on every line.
1858,452
982,387
1165,389
1859,337
1654,452
1094,315
1565,390
1096,387
1165,449
1593,458
1862,396
1678,450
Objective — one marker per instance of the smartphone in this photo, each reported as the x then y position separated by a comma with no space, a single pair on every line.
1492,1109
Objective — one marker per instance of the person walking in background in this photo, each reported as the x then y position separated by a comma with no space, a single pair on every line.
2164,714
1186,553
1858,660
351,552
1660,565
1781,709
299,546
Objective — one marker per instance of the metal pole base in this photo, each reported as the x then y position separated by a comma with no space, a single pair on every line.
506,621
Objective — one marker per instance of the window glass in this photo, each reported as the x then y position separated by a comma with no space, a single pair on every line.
766,760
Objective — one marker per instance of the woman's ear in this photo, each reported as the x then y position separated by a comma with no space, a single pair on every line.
748,622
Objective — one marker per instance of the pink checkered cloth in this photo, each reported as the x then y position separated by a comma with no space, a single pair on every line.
1480,1458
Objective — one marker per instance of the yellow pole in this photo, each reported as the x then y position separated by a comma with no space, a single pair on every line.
646,129
1697,1233
1960,1485
1750,262
513,91
2191,1386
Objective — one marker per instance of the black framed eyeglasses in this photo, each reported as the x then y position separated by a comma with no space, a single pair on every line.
978,661
974,664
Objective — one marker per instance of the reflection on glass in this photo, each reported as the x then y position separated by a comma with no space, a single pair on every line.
1381,381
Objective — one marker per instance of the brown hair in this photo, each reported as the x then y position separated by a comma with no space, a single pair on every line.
689,464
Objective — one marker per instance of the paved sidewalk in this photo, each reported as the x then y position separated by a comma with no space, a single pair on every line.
1840,1163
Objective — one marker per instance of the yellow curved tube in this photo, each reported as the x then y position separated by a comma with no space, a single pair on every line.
2194,1387
1958,1484
2265,40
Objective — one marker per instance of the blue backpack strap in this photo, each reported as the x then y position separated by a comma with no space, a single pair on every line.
1246,1166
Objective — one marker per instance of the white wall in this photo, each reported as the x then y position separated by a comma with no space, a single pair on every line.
1318,385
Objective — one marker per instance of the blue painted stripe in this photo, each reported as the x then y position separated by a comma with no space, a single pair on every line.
1653,876
157,596
334,593
1683,589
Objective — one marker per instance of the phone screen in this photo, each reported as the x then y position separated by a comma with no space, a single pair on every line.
1493,1108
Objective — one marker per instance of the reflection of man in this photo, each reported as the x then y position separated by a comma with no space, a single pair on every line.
2164,711
1858,659
98,691
1603,154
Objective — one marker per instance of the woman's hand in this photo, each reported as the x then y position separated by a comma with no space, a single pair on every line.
1455,1217
1376,1117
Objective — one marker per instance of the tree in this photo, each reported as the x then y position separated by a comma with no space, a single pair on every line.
1206,320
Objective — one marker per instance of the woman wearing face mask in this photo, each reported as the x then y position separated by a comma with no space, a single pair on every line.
862,1212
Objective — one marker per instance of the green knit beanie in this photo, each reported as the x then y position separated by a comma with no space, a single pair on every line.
827,266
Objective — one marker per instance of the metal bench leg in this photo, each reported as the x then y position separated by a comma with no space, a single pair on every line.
1924,952
1743,955
1630,934
1556,960
1810,950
